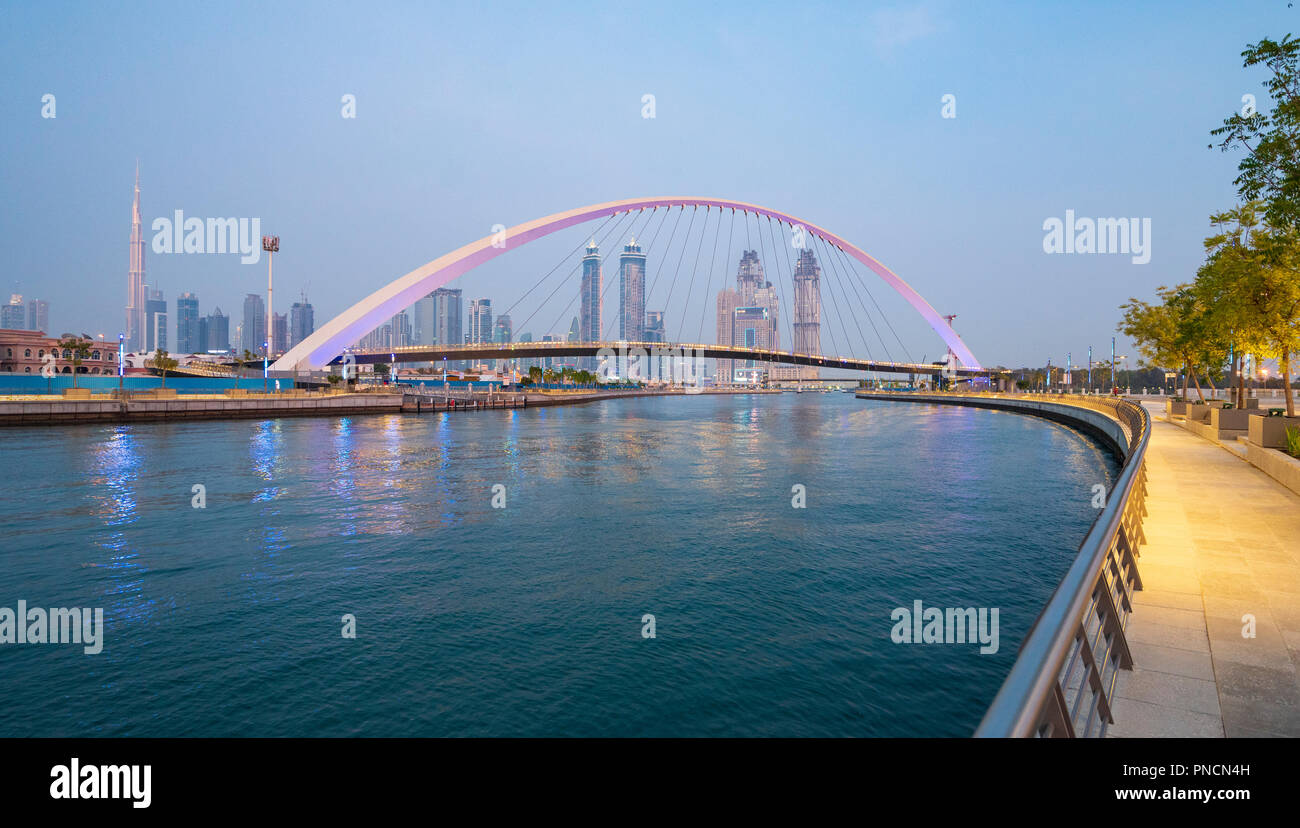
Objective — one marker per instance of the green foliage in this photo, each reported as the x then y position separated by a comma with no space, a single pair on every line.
1270,169
78,349
1293,441
164,363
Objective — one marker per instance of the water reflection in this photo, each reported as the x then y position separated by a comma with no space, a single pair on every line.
116,466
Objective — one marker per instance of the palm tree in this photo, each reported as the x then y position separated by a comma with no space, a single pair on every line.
246,358
164,362
79,349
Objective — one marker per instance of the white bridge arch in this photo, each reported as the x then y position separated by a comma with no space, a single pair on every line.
330,340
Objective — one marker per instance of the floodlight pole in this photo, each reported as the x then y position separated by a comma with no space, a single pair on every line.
271,244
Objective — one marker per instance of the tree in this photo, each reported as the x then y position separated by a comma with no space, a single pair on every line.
78,349
1252,276
164,362
246,358
1271,168
1160,332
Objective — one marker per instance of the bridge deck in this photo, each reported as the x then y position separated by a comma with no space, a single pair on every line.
1223,540
521,350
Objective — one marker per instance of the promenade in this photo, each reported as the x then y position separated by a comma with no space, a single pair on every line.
1223,542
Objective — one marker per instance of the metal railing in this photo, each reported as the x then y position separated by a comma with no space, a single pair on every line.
1063,679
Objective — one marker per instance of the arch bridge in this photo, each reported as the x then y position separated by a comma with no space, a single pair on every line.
328,343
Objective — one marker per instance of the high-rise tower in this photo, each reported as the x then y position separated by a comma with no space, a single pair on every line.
747,317
589,303
135,295
631,281
807,309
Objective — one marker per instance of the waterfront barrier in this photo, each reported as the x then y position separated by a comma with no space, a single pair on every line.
1062,683
145,407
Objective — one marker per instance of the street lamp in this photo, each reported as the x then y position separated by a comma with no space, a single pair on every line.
266,363
271,244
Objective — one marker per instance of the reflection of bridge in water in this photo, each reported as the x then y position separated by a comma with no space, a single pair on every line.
542,350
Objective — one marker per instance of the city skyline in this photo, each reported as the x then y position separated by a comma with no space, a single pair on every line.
972,228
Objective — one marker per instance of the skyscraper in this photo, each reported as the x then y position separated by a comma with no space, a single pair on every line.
480,321
38,315
400,335
503,331
155,313
807,310
217,335
13,315
654,326
253,328
447,329
279,333
631,282
135,290
589,303
424,321
747,317
187,324
302,321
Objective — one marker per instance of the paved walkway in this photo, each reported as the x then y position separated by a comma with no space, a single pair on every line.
1223,541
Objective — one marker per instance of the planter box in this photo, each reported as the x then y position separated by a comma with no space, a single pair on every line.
1198,412
1174,408
1270,432
1230,424
1278,465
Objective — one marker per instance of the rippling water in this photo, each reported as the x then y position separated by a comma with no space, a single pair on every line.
471,620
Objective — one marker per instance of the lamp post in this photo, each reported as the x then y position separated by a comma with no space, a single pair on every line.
266,362
1113,384
121,363
271,244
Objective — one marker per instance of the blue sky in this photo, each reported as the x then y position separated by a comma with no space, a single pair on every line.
470,115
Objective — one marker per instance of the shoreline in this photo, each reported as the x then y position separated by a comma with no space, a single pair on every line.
49,410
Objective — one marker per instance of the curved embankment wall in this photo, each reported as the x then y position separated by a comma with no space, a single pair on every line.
1094,422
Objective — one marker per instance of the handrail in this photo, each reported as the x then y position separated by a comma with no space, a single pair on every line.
1062,681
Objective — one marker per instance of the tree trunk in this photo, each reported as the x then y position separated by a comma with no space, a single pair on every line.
1241,381
1196,383
1285,364
1186,372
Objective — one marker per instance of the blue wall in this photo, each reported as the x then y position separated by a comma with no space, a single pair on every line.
35,384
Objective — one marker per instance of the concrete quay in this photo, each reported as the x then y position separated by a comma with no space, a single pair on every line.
50,410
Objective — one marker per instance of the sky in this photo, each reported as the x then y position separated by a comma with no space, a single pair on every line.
479,114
